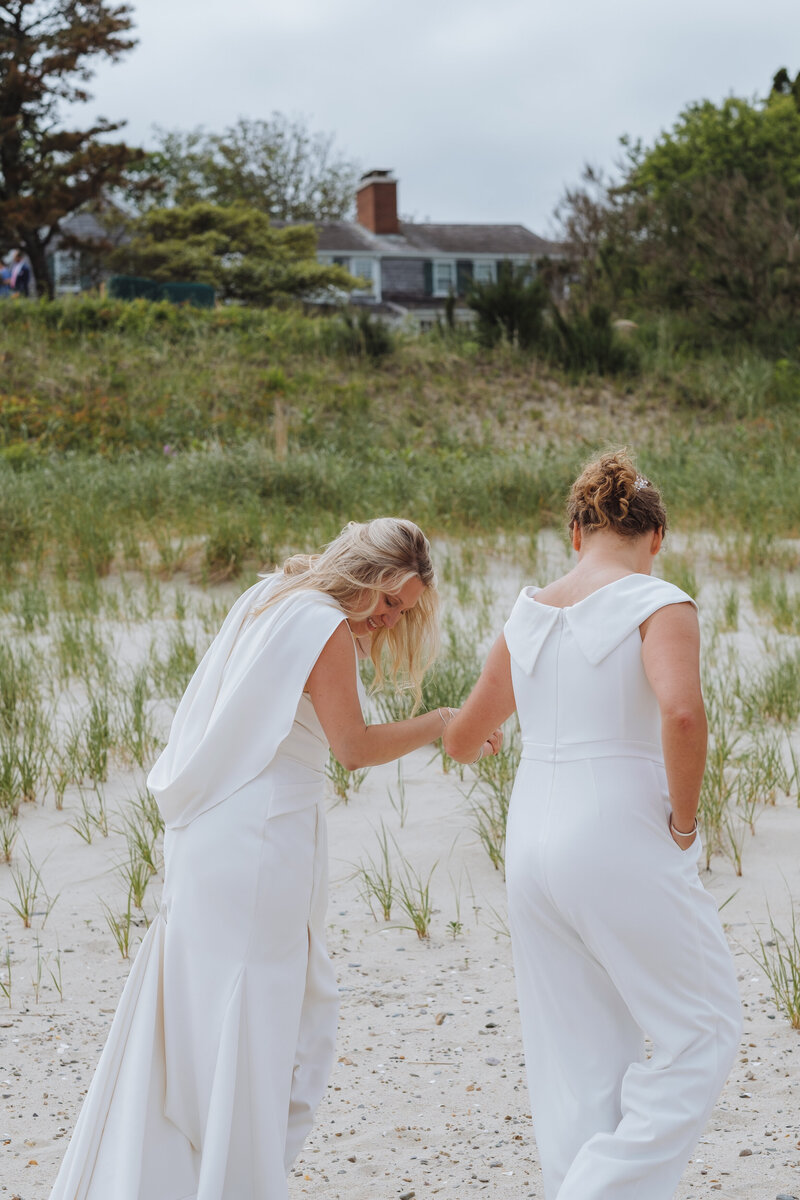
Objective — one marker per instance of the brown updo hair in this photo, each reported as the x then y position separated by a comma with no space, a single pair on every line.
610,493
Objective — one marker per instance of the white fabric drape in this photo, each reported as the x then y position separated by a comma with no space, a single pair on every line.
241,701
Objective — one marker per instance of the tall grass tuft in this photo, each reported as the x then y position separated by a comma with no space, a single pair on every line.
779,958
10,787
28,886
98,739
719,785
773,694
9,831
120,926
136,735
172,672
143,827
5,983
376,877
414,897
491,796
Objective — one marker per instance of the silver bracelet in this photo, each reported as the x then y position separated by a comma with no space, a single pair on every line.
691,832
478,759
441,714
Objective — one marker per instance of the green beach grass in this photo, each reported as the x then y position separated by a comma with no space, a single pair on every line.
144,433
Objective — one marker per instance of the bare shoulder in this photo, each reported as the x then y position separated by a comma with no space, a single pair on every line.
672,621
336,657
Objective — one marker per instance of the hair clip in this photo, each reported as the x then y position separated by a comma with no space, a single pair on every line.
640,482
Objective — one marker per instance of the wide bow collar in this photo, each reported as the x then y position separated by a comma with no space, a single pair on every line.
598,623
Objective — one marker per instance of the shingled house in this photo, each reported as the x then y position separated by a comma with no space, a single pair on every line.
412,268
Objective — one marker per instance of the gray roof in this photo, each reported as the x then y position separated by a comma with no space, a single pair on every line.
418,240
88,226
83,225
349,237
475,239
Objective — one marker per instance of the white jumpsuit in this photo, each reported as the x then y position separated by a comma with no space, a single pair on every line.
614,936
222,1043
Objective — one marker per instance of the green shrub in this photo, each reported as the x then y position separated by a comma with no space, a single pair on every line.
364,336
511,309
587,342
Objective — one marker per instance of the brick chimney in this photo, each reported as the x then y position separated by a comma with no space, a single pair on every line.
376,202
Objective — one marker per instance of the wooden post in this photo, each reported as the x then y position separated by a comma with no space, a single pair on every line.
281,426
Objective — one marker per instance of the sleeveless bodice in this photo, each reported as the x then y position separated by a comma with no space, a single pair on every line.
577,671
303,753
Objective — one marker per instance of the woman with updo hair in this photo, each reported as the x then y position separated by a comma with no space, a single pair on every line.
614,937
223,1040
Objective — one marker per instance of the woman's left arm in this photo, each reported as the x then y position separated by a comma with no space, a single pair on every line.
671,661
490,703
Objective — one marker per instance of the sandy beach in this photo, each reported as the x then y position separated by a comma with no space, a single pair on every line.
428,1096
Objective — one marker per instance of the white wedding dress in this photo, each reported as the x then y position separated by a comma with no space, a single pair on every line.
222,1043
614,936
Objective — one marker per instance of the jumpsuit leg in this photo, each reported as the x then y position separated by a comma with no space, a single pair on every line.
671,967
574,1080
316,1037
615,936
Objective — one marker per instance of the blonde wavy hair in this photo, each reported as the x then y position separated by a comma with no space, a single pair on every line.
363,562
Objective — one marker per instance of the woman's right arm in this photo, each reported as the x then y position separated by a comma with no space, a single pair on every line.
334,694
671,659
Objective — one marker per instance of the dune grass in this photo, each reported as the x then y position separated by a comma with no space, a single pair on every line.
137,442
136,435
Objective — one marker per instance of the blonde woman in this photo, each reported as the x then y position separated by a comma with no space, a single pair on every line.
614,936
220,1049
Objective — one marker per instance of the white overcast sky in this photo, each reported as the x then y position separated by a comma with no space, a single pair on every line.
484,109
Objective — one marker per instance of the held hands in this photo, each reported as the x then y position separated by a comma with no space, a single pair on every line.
684,840
491,745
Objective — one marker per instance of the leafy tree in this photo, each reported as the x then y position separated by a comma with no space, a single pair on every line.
783,85
597,222
233,248
705,221
277,166
759,142
46,171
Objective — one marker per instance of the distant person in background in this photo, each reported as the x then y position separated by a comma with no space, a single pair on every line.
20,275
5,281
613,934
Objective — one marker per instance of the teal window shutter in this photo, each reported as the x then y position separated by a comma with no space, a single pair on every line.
428,269
463,276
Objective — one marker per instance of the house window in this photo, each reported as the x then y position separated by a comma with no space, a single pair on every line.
444,278
66,272
483,271
363,268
